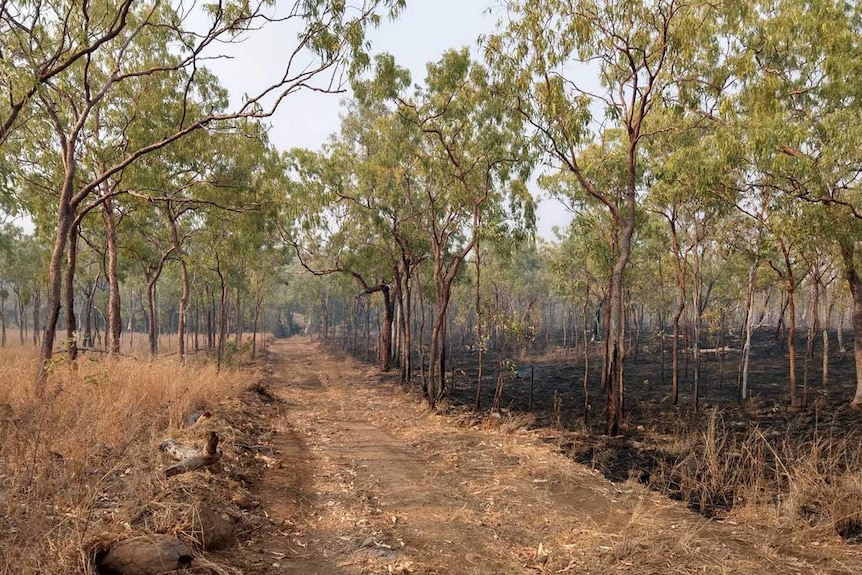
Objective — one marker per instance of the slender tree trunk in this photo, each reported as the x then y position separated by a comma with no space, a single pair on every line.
115,321
257,305
65,219
238,316
151,316
613,343
222,315
367,329
842,348
131,325
71,320
480,343
37,305
748,328
586,358
197,323
2,318
811,333
677,315
421,345
697,309
184,280
408,328
855,284
22,318
791,328
385,351
88,303
324,311
827,323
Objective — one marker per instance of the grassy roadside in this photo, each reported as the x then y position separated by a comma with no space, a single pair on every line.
80,466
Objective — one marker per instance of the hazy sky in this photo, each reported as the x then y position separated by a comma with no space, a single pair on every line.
423,32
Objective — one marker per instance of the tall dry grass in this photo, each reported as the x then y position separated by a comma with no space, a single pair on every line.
76,461
805,481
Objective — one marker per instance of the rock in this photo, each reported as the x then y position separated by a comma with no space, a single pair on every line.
145,555
214,530
242,500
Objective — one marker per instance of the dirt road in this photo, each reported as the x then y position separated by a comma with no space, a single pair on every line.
372,482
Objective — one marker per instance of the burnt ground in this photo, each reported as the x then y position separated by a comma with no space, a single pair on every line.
559,372
549,387
363,478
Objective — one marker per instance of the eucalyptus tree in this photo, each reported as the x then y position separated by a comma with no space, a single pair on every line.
342,219
643,53
580,266
796,111
386,153
156,44
691,183
376,153
40,43
149,246
474,158
355,237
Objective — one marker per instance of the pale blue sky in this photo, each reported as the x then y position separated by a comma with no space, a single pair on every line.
423,32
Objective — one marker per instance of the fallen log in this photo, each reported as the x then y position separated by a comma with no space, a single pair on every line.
147,555
190,458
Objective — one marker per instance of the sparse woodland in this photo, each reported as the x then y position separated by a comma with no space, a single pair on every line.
707,289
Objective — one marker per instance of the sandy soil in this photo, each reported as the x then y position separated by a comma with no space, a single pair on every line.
368,480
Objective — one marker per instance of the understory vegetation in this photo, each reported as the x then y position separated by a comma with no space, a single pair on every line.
82,468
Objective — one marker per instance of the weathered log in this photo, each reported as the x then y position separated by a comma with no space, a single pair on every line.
177,450
191,459
146,555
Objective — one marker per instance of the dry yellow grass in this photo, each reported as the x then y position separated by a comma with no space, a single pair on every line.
75,460
803,483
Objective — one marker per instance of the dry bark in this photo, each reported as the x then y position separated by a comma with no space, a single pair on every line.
190,458
147,555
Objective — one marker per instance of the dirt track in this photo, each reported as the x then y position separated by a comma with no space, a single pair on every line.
371,482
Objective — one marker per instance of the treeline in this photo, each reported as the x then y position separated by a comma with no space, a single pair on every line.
531,311
708,152
129,158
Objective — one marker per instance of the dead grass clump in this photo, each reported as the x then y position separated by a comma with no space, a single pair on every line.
77,460
807,480
824,485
